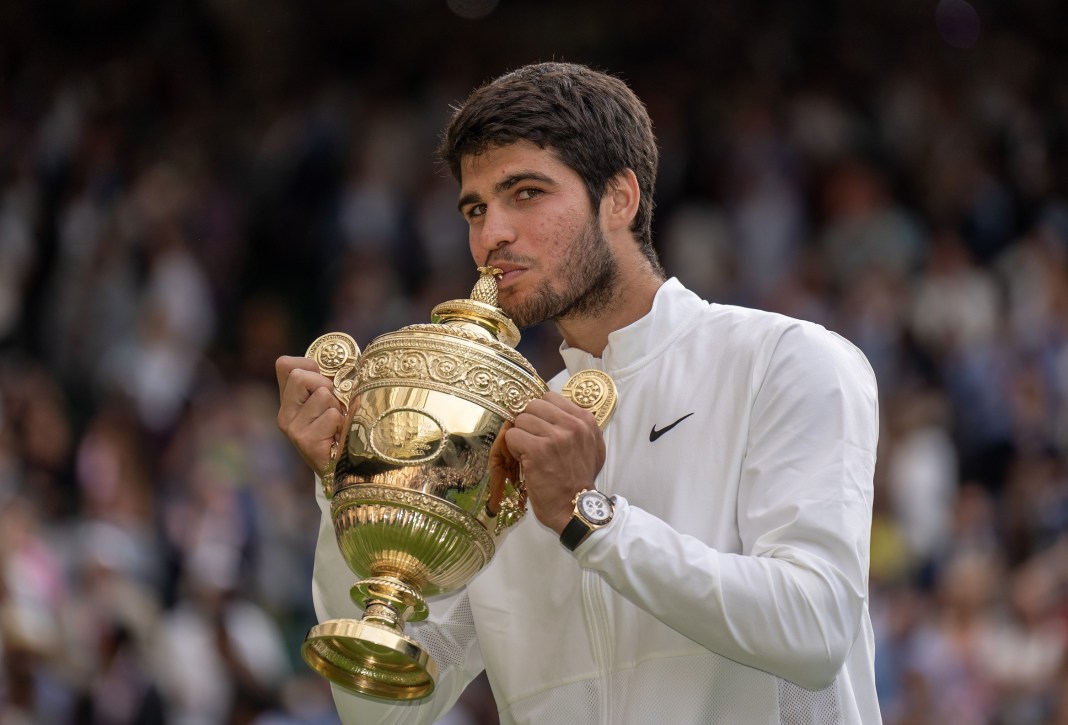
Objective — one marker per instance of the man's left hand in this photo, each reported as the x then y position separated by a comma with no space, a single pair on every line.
562,451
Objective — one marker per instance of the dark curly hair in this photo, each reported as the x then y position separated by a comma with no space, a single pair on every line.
592,121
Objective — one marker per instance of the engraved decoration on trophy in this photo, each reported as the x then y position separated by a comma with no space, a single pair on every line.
415,509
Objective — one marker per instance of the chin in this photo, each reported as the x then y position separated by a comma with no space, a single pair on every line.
508,300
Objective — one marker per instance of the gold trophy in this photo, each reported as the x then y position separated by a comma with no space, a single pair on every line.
416,510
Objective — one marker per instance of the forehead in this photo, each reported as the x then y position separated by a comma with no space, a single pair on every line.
499,162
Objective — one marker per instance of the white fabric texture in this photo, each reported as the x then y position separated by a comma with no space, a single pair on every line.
731,586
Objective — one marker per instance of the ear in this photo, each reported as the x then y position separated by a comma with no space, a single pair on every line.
619,204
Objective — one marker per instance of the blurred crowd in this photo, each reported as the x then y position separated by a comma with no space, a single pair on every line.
190,189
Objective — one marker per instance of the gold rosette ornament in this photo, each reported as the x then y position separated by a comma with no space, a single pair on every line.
416,506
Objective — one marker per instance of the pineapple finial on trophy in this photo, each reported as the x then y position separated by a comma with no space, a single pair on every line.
480,313
486,287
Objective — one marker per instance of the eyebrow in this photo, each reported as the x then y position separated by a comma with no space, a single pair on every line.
504,185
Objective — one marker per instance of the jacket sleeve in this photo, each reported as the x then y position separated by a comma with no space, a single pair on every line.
448,636
792,602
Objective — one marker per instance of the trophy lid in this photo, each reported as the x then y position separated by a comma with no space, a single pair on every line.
480,313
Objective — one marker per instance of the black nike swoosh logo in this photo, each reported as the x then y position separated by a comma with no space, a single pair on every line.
654,433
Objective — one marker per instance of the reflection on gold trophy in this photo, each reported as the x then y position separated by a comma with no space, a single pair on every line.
415,508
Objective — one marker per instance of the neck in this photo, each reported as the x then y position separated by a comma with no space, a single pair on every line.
631,300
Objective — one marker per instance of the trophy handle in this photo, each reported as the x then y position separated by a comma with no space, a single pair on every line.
594,391
336,354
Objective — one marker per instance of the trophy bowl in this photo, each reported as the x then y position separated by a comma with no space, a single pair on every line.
416,509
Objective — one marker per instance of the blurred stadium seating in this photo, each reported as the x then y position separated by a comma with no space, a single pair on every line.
190,189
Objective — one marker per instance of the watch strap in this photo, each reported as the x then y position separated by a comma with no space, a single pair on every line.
575,533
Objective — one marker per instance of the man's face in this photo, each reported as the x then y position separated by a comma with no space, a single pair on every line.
529,214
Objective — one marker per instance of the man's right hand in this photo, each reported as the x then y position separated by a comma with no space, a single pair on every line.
309,414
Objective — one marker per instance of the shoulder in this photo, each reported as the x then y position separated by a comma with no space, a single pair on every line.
781,346
704,323
744,328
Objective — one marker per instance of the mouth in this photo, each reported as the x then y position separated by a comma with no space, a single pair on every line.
512,273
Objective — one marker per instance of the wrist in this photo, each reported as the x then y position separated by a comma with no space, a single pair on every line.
592,510
558,519
563,515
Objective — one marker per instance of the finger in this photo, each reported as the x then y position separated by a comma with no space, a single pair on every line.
542,410
319,402
314,437
565,404
537,426
286,364
300,388
503,465
499,450
526,446
549,430
585,415
544,417
328,444
313,427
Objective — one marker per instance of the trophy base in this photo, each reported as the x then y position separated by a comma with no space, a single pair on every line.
370,660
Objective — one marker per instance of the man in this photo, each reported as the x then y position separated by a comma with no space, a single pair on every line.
729,584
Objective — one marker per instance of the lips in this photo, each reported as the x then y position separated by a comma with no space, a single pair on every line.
512,272
510,276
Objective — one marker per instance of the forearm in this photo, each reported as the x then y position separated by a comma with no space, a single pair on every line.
789,597
791,614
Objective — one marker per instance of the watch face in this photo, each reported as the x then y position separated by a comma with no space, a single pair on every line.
595,507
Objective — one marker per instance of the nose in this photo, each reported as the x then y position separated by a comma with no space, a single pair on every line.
494,230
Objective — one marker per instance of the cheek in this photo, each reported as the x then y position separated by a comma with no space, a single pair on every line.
560,237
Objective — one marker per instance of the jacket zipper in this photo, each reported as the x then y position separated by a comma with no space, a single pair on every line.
597,614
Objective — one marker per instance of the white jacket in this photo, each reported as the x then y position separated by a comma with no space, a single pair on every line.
731,586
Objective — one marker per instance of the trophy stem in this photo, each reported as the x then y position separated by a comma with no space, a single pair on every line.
384,615
389,600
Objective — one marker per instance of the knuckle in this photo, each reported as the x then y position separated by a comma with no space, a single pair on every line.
304,442
323,395
310,377
534,406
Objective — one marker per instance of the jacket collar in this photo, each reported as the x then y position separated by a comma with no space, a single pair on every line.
674,310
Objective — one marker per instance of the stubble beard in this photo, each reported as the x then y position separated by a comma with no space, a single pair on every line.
589,282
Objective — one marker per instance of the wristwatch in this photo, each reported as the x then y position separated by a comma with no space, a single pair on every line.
592,511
